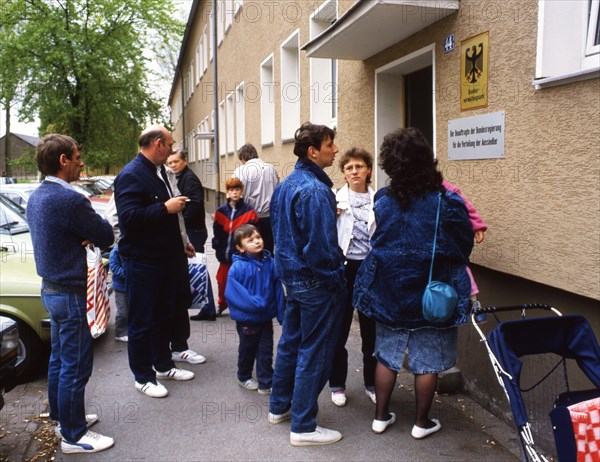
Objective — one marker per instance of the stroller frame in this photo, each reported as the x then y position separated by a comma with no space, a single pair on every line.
506,377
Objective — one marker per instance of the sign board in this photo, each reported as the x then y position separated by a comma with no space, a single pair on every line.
474,61
478,137
449,43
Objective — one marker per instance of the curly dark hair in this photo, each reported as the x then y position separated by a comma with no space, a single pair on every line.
407,158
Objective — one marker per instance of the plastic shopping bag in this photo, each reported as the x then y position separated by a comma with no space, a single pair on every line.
198,280
98,305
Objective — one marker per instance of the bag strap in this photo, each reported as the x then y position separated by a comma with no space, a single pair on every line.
437,220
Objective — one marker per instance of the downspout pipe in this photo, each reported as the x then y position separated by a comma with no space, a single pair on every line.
216,105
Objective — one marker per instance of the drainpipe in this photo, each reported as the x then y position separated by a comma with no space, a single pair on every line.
215,105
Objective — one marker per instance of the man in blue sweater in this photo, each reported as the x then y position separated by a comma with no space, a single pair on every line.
62,222
154,257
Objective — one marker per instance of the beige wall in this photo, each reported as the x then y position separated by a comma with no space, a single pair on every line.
540,201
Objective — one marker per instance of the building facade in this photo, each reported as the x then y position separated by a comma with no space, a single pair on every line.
508,93
20,147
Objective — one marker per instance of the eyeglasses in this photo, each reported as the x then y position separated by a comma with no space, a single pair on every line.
358,167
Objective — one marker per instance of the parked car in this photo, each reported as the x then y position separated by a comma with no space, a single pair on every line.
20,285
7,180
9,346
19,192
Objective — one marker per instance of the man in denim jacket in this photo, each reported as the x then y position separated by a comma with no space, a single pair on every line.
309,262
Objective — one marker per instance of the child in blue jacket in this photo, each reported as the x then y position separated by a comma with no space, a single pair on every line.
255,297
118,284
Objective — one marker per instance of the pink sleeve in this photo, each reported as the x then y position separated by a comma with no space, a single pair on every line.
476,220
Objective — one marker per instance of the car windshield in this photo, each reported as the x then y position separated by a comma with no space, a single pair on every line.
12,217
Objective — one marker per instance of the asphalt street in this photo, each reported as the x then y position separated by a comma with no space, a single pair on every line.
211,418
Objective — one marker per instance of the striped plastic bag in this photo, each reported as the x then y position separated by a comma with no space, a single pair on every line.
98,305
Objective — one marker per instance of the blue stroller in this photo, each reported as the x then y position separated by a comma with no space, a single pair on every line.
570,337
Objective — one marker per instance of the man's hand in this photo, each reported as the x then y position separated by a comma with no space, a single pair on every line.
190,251
86,242
176,204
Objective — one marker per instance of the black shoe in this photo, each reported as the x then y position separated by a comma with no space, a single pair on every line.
221,310
202,316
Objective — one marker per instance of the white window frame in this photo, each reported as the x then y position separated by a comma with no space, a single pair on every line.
593,26
563,53
237,6
230,117
291,93
323,72
205,125
222,130
205,48
198,142
267,102
229,12
198,61
240,117
220,22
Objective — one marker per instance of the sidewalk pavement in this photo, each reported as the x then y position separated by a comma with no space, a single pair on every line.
212,418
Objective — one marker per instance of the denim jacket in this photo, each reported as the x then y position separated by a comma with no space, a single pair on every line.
303,217
391,281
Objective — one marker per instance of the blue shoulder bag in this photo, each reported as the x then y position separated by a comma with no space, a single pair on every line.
439,299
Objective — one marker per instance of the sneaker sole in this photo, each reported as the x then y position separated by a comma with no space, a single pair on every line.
314,443
80,450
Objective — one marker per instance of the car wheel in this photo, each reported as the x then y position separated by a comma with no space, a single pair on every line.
32,355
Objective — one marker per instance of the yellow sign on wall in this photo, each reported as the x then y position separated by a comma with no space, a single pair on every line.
474,72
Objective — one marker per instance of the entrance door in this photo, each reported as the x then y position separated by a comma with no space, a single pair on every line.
404,92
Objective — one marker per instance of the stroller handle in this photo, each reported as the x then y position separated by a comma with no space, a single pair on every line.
525,306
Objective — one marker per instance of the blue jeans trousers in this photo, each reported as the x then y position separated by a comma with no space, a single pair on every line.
305,353
71,357
256,344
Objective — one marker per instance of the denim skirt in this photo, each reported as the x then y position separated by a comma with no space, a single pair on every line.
430,350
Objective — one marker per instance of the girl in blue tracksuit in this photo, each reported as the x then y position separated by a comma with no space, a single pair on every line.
255,297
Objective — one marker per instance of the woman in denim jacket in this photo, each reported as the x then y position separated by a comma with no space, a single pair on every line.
392,279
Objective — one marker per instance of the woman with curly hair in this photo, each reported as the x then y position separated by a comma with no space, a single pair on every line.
391,280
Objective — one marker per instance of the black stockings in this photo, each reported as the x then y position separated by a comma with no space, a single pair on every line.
385,380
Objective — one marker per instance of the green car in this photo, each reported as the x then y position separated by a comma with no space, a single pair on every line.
20,291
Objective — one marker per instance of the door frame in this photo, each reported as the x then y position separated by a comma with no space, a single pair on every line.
389,99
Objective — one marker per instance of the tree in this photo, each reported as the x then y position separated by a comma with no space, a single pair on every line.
88,70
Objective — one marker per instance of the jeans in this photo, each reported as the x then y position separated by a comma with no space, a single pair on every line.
122,312
71,357
339,371
305,352
256,343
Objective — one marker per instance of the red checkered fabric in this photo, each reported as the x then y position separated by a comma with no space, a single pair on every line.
586,426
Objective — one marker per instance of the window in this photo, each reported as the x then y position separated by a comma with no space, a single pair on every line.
229,114
290,86
191,147
220,22
210,31
240,117
568,47
267,102
237,6
222,133
323,72
191,80
229,12
206,144
198,62
205,47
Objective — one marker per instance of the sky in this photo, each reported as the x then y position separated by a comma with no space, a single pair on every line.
22,128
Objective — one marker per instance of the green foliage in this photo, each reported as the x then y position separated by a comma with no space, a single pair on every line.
85,68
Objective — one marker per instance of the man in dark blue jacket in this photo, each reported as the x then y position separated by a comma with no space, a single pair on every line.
62,222
154,254
309,262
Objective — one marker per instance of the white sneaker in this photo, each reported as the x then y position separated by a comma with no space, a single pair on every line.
90,419
371,395
264,391
125,339
319,437
278,418
153,390
175,374
249,384
339,398
90,442
188,355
